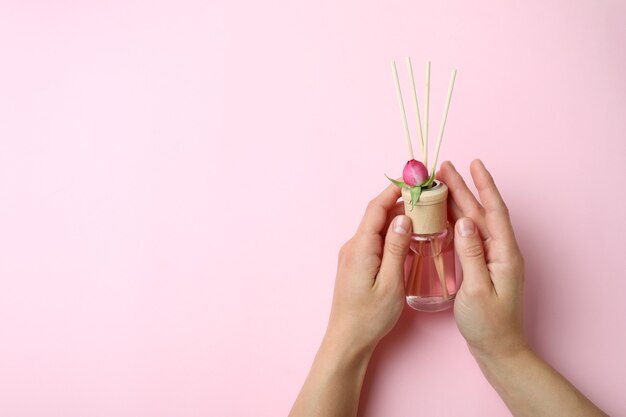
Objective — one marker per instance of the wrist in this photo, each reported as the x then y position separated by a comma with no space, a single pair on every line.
344,352
498,363
502,350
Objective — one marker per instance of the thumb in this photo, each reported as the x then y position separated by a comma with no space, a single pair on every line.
471,253
396,247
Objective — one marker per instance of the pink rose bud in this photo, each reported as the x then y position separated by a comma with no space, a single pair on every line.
414,173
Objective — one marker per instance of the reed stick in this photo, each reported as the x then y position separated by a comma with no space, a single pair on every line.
426,115
417,110
418,279
415,263
439,266
402,112
444,118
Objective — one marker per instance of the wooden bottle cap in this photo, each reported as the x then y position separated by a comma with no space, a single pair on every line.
430,214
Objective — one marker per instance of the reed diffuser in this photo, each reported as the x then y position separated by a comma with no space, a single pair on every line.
431,277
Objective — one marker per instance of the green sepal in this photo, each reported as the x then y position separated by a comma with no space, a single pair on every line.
430,180
415,195
400,184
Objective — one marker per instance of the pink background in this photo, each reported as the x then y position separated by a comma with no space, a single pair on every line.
177,178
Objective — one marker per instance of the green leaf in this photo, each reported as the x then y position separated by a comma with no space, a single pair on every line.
415,195
430,180
400,184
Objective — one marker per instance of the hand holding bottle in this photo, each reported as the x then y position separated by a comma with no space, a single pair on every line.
369,297
488,306
368,300
369,287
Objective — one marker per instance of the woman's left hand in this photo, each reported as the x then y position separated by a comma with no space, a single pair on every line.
369,288
368,300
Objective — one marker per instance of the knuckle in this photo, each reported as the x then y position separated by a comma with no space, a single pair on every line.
514,257
396,248
473,251
519,262
344,251
503,211
475,291
476,212
369,262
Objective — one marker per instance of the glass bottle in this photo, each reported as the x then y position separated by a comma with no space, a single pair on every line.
432,276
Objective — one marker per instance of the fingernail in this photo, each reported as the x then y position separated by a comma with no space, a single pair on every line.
451,165
401,225
466,227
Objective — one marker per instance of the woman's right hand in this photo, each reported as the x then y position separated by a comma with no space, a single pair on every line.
488,306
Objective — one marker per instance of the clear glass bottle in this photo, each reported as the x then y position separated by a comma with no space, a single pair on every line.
432,277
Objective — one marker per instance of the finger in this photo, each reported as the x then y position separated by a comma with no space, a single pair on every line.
463,197
375,215
496,212
396,210
394,252
454,212
365,255
469,249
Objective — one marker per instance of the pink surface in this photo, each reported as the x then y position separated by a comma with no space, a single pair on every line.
177,178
